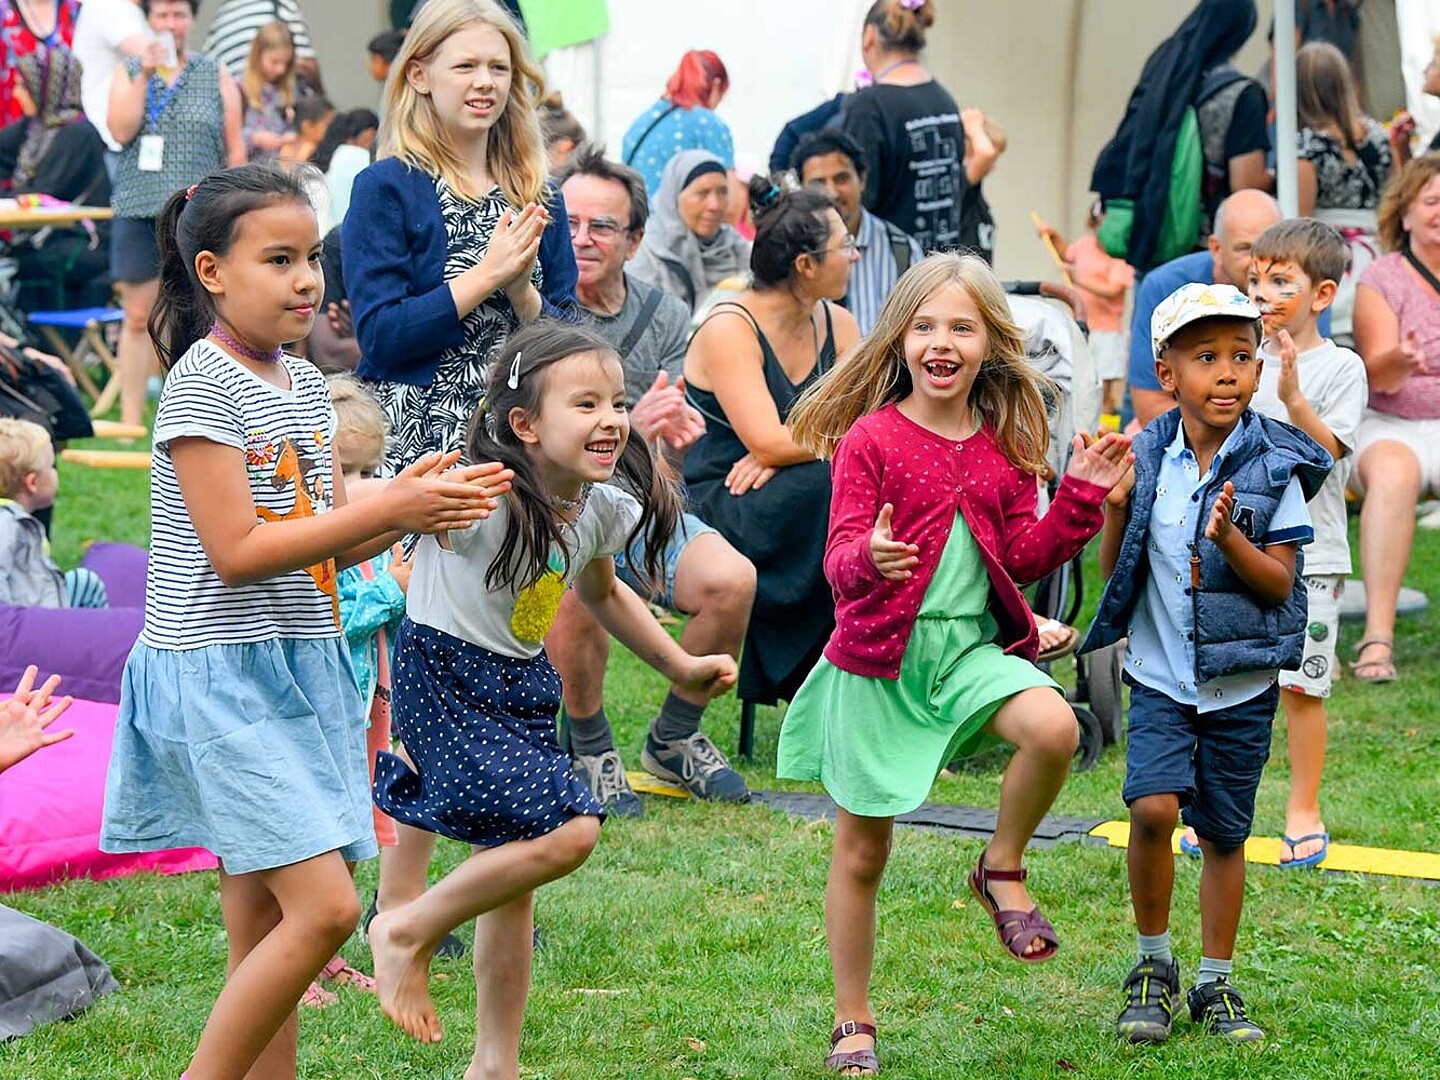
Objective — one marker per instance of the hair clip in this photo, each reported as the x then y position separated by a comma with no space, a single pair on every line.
769,198
912,5
190,191
863,78
514,381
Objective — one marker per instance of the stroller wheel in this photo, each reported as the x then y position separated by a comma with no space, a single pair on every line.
1092,739
1103,675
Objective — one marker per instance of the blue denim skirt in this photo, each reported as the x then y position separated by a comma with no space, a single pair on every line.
254,751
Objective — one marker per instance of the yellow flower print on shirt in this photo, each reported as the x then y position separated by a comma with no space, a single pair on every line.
537,605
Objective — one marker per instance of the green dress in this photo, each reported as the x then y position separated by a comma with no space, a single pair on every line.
877,744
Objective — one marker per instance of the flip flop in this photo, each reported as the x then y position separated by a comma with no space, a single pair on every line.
1309,860
1067,644
1188,847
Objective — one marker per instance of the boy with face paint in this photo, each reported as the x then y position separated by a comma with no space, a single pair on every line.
1321,388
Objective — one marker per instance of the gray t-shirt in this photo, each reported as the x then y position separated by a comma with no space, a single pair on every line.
1333,380
662,344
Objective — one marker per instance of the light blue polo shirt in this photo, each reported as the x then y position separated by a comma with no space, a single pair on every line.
1161,652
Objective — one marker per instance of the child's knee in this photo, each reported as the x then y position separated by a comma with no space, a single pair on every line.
863,858
1155,816
334,916
571,844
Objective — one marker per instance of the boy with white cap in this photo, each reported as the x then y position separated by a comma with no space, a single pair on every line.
1202,554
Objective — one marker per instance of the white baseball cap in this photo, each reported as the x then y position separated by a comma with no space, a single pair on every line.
1193,302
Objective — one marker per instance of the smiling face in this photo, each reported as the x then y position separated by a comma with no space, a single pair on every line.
702,205
1285,295
582,424
944,347
599,212
1422,217
1212,369
267,284
467,80
835,174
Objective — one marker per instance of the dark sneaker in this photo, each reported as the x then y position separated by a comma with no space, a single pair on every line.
1218,1009
604,775
696,764
1153,989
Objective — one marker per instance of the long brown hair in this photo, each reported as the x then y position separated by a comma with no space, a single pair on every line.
531,529
273,35
411,130
1008,394
1325,95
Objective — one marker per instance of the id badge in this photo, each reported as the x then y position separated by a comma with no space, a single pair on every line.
152,153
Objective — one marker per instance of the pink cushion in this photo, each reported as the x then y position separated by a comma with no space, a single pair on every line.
50,806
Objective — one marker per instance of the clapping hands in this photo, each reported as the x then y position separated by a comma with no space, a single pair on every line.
663,413
1103,462
25,717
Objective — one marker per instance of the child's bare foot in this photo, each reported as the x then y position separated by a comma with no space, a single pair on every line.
402,977
1311,828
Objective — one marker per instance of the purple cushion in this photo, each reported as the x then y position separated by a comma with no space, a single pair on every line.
86,647
122,568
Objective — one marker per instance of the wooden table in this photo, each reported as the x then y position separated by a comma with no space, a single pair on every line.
38,218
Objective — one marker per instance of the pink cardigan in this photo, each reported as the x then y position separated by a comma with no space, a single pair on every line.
887,457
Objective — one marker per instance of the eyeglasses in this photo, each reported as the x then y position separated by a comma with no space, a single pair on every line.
600,228
848,246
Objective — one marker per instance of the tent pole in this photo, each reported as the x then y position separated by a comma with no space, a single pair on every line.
1287,182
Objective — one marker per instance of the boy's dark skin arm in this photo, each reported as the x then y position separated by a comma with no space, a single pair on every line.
1269,572
1117,505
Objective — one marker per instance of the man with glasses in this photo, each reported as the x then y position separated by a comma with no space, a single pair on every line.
704,576
832,162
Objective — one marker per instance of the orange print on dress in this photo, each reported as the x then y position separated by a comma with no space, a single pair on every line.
308,479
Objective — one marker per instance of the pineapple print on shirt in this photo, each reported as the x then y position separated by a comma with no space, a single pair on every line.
536,606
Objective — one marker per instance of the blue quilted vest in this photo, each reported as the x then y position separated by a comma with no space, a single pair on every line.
1233,632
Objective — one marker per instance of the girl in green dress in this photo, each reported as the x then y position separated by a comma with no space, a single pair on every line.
936,426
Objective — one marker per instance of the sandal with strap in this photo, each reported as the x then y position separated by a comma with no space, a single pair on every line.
341,973
1015,929
1379,671
852,1059
317,997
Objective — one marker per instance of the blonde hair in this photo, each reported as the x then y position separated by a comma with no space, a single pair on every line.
273,35
25,448
1008,393
412,131
358,417
1404,188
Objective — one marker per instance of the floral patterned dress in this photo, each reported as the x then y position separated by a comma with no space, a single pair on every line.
18,39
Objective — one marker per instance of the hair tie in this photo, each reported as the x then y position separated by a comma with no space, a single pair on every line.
514,381
769,198
190,191
912,5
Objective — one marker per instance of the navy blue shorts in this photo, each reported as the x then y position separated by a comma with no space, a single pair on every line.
1212,760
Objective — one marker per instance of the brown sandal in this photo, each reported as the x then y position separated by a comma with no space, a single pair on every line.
1384,670
852,1059
1015,929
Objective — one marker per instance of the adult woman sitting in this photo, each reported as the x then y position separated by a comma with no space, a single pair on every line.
178,119
1344,165
54,150
688,249
682,119
1397,333
745,366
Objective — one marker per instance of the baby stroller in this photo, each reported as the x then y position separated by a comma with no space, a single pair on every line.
1056,344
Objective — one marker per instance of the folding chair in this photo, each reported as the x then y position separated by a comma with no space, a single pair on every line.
89,321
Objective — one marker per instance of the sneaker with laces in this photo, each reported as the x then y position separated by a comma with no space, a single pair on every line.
1218,1008
604,775
1153,989
696,764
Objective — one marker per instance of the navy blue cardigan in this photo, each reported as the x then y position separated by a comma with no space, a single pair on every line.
394,245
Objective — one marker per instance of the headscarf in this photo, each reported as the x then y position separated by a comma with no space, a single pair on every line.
670,245
52,79
1135,164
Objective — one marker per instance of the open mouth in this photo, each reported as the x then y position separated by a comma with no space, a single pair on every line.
603,450
941,372
481,107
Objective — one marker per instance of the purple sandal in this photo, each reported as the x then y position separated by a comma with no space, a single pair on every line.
852,1059
1015,929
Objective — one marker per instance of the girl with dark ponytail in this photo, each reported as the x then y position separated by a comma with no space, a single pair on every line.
745,476
475,697
240,727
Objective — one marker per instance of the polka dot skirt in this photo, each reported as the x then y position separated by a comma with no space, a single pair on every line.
480,728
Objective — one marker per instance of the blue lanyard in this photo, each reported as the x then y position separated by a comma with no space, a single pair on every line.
154,105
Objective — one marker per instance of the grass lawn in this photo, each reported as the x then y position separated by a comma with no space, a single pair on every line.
691,944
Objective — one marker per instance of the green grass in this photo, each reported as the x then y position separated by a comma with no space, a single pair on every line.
706,923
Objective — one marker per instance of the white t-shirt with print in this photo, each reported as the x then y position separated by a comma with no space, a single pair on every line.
448,591
285,437
1334,382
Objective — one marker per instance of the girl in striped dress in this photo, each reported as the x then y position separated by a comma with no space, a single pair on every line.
240,726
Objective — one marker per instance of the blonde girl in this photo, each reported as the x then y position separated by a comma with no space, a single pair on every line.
936,427
268,86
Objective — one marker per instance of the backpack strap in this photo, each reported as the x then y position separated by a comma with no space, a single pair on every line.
646,315
899,246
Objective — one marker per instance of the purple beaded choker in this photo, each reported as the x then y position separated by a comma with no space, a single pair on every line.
235,345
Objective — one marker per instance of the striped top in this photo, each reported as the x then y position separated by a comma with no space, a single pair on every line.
286,438
190,117
236,23
875,272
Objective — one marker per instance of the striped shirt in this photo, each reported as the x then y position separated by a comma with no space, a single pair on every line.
285,436
875,273
236,23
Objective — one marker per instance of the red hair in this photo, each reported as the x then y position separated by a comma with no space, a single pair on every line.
699,72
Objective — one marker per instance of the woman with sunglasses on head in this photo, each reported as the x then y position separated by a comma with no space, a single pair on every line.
746,364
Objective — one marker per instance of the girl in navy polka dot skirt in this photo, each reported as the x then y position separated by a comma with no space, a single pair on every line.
475,699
